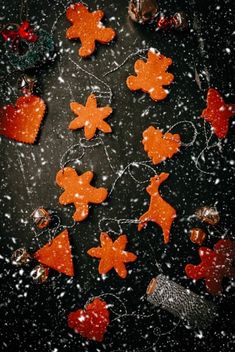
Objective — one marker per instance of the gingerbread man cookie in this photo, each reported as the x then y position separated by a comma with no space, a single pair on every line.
215,265
151,76
87,27
79,191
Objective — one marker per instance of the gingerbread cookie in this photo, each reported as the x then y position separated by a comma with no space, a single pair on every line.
22,121
87,27
151,76
57,254
160,146
90,117
159,210
79,191
215,265
218,113
112,255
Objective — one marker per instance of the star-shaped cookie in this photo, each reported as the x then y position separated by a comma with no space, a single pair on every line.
112,255
90,117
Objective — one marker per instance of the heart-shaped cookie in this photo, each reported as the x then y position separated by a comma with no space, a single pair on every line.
22,121
92,321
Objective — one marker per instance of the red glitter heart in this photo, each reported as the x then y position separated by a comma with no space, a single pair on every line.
22,121
91,322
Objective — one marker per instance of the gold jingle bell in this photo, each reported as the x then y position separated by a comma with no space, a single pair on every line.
26,84
197,236
20,257
143,11
209,215
41,218
40,273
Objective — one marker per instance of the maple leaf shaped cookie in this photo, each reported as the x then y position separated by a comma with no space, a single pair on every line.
215,265
151,76
87,27
90,117
79,191
160,146
159,210
112,255
92,321
218,113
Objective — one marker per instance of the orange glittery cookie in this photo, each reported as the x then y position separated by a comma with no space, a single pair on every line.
90,117
57,254
79,191
159,210
87,27
22,121
151,76
160,146
112,255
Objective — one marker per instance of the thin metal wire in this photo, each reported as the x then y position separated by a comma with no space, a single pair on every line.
110,93
137,52
195,134
24,10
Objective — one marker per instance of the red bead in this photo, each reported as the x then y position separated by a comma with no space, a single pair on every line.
165,22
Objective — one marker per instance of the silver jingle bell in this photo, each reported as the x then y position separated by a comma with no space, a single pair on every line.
20,257
143,11
40,273
180,20
41,218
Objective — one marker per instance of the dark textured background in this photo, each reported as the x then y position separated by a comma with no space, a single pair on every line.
33,317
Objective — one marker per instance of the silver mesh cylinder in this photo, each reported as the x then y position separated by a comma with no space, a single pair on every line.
181,302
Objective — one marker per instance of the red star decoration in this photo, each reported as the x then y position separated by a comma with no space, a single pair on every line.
218,113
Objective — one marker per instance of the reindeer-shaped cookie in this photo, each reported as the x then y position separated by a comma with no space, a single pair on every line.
159,210
79,191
